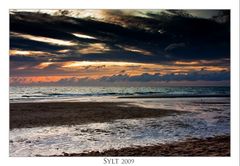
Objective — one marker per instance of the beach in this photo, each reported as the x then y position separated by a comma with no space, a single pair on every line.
26,115
214,146
137,127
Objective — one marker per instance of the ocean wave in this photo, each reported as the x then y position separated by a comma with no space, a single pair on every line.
42,93
135,94
86,94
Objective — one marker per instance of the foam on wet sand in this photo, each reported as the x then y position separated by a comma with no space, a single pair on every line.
50,129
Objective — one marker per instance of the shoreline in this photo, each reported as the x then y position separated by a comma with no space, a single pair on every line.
114,99
173,96
27,115
211,146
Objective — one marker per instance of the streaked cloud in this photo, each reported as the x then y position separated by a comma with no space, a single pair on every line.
29,53
96,44
43,65
89,63
135,49
63,51
83,36
94,48
44,39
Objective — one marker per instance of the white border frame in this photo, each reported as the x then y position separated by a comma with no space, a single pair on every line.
120,4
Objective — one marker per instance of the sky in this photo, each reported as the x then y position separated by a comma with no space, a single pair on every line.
120,47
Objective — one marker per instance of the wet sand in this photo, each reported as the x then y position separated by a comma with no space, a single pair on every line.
213,146
26,115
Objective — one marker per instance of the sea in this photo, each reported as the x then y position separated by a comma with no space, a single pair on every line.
206,113
41,94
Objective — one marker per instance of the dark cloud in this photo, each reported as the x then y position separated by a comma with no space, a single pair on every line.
143,36
21,58
168,36
31,45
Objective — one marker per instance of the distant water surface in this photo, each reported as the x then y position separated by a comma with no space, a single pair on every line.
35,94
